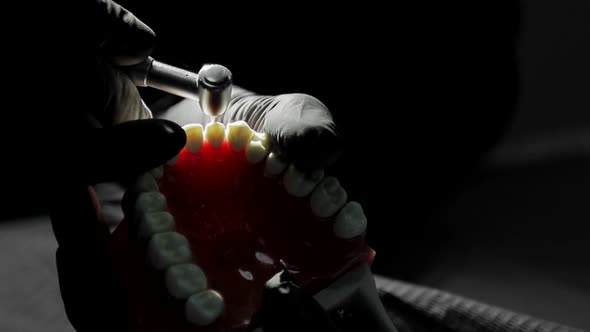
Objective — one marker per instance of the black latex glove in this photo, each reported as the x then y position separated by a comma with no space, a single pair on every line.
102,145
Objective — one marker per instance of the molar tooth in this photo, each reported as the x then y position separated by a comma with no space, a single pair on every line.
204,307
238,135
166,249
299,184
183,280
255,152
215,133
273,165
350,221
151,223
151,201
194,137
145,182
327,198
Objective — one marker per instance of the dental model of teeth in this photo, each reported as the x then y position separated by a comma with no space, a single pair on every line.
208,229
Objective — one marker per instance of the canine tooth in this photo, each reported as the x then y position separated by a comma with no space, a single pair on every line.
350,221
166,249
183,280
255,152
238,134
299,184
204,307
327,198
273,165
151,201
194,137
151,223
157,172
215,133
145,182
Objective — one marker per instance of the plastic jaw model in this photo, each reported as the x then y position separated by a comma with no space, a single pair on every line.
203,233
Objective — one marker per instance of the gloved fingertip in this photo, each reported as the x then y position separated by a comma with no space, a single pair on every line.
131,148
129,40
303,131
131,52
172,135
314,149
135,48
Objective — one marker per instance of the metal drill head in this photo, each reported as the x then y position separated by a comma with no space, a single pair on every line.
214,89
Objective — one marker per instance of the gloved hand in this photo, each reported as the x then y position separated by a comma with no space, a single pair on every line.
301,127
107,147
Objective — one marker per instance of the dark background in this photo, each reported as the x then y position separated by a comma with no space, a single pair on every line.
466,129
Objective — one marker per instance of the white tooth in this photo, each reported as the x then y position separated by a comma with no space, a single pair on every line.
350,221
327,198
157,172
151,223
255,152
299,184
151,201
204,307
183,280
145,182
238,135
172,161
215,133
262,138
167,249
194,137
273,165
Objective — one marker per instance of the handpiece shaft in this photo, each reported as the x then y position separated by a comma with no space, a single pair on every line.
158,75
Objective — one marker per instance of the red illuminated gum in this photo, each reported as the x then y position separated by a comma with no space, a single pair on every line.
239,223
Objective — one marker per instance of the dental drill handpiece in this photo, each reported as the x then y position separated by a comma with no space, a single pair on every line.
211,86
